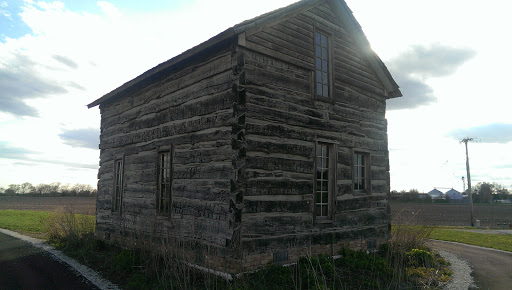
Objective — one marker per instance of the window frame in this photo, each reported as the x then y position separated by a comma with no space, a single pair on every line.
366,170
118,184
168,183
331,182
328,36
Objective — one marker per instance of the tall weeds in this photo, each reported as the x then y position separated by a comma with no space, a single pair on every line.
67,227
163,261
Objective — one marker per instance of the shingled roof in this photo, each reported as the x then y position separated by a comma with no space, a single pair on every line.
340,8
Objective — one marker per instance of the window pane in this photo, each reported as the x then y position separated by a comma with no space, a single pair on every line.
319,89
318,63
324,65
317,38
318,76
324,53
318,51
326,90
324,40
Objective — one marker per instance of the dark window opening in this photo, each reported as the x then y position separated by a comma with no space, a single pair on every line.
323,181
118,185
360,172
164,182
321,65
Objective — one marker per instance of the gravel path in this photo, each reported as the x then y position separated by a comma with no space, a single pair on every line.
461,278
86,272
489,268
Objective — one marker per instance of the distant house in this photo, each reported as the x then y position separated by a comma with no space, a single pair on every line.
503,201
435,194
262,144
453,194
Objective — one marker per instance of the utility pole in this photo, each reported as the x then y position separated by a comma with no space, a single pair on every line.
463,184
470,194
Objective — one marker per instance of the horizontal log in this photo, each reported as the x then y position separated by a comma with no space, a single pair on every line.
268,49
296,32
206,105
361,203
342,70
293,97
277,45
285,106
357,100
277,81
275,223
253,144
207,190
288,42
203,155
250,173
354,113
200,208
196,125
295,119
213,170
177,81
279,164
265,244
314,19
302,27
266,128
140,176
284,206
379,173
362,218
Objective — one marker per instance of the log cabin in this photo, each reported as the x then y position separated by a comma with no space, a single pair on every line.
263,144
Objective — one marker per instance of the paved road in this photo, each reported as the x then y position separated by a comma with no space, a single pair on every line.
491,269
23,266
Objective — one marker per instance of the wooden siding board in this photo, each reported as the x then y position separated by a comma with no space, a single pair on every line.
278,186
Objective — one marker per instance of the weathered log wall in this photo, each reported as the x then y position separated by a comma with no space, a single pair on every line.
190,111
284,120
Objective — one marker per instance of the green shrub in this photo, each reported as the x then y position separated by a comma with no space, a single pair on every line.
420,258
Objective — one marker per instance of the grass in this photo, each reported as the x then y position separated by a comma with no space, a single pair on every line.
24,221
500,242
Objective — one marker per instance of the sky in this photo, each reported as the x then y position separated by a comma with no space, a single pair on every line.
450,59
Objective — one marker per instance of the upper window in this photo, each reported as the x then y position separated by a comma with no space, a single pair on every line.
164,182
324,177
118,185
321,64
360,171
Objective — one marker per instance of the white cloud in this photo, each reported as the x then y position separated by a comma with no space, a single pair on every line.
80,56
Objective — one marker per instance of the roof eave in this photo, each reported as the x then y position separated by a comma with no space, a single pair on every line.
226,34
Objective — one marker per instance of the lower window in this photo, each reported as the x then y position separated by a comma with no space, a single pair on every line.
164,182
118,185
360,172
324,177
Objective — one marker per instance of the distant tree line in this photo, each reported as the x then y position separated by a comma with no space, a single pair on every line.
486,192
51,189
411,195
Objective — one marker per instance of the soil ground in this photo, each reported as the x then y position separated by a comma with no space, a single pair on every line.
446,214
79,205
